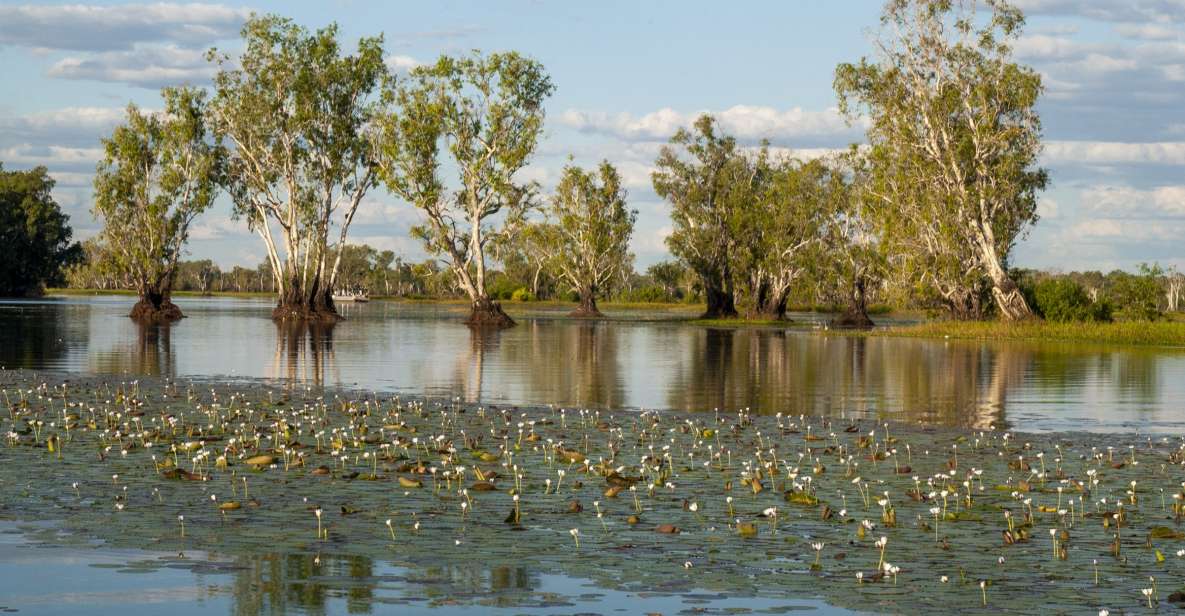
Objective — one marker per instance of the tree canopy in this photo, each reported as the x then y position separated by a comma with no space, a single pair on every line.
295,111
34,232
158,173
486,113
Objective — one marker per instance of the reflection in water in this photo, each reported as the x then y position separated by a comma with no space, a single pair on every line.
310,583
422,349
304,353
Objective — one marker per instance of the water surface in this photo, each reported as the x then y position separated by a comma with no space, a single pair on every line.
637,360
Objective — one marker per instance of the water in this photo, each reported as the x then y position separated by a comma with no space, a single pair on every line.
638,360
90,579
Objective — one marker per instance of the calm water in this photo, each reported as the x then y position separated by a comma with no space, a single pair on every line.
634,361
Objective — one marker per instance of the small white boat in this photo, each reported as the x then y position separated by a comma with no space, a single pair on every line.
351,296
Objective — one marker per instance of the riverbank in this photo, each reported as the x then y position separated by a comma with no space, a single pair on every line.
1138,333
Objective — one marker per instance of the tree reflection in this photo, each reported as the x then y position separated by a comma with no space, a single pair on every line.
772,371
275,584
304,353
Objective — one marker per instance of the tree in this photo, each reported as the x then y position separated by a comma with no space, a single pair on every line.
1174,285
955,138
34,233
778,233
706,179
158,173
668,275
295,115
587,238
854,259
487,113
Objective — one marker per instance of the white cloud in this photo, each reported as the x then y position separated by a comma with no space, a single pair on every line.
1147,31
1157,11
747,122
400,64
1110,152
76,126
83,27
215,226
51,156
1121,201
1047,208
151,67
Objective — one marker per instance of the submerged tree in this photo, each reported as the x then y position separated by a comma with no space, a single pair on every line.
778,233
587,241
954,139
853,259
34,233
158,173
707,180
295,114
487,113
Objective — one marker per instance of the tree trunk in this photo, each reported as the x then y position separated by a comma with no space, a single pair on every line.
856,315
588,305
486,313
1009,300
314,304
720,304
769,303
156,303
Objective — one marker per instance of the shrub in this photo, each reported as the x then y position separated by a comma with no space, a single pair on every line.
649,294
1138,296
521,294
1063,300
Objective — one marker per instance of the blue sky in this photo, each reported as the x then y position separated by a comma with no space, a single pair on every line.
627,74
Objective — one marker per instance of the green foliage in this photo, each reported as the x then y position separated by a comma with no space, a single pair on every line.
521,294
487,113
158,173
650,294
1062,300
296,110
586,239
707,180
954,141
1138,296
34,233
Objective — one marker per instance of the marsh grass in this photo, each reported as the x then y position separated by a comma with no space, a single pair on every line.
1141,333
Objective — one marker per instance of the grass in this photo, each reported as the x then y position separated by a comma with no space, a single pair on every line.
1145,333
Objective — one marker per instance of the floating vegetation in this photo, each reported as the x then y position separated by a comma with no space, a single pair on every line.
869,516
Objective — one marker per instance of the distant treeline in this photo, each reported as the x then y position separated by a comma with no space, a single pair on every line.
1149,293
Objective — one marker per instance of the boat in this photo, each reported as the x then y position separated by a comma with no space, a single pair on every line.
351,296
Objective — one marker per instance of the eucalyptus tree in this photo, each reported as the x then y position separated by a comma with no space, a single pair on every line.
587,239
955,138
486,113
706,178
158,173
779,232
295,112
854,260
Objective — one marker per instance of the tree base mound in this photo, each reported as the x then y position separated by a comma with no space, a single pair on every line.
146,312
488,314
852,319
288,312
585,312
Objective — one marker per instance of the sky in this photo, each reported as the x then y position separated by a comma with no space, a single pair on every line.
627,75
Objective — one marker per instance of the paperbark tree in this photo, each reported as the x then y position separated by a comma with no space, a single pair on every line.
587,240
295,113
158,173
778,232
706,179
955,138
486,113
